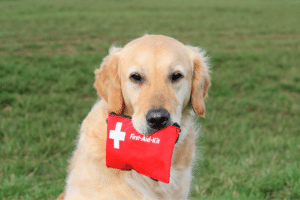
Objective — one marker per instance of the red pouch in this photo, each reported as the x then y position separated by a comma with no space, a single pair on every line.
148,155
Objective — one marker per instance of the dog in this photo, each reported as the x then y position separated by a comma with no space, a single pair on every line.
158,81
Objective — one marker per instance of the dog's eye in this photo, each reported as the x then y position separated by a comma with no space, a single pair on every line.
176,76
136,78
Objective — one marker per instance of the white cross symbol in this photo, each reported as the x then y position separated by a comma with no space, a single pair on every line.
117,135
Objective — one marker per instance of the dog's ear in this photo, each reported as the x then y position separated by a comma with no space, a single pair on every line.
201,80
108,83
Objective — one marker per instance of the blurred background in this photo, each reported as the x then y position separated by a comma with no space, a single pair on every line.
249,141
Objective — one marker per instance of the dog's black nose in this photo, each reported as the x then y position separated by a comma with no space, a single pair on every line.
158,119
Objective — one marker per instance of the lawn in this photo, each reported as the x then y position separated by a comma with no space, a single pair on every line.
250,137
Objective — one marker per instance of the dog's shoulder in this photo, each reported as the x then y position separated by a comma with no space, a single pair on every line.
96,118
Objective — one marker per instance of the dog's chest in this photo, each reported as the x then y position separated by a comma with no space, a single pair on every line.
178,188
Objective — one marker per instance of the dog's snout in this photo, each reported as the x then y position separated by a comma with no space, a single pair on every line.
158,119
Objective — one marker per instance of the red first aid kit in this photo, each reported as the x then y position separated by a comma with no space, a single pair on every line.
148,155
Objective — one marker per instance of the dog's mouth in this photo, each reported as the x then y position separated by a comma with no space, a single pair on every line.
151,130
152,126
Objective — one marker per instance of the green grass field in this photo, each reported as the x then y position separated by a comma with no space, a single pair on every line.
250,138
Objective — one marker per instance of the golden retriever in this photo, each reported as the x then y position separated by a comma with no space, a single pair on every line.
158,81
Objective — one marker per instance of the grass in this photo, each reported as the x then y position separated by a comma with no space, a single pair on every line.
250,137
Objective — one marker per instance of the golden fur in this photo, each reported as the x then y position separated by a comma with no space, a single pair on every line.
155,57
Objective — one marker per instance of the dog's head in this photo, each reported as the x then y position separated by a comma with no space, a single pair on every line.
154,79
